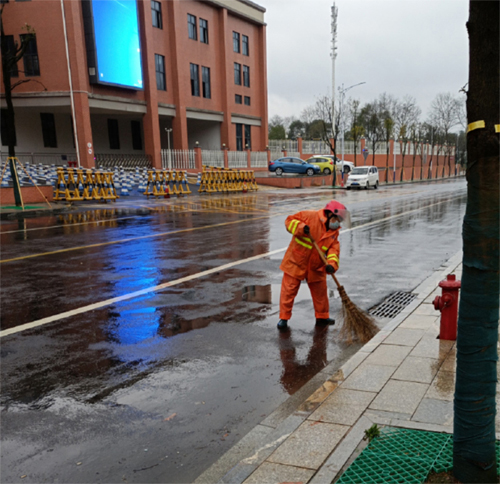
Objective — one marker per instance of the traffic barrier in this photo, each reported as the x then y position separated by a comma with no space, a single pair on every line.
222,180
163,183
76,185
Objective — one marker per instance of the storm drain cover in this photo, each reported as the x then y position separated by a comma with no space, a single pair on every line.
393,305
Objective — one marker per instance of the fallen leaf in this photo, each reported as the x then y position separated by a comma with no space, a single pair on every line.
170,417
22,477
78,463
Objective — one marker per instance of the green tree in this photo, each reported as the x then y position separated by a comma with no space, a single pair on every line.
476,376
296,129
277,132
371,119
357,129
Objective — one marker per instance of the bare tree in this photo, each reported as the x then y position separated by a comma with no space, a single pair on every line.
372,121
445,114
356,130
388,105
12,53
407,114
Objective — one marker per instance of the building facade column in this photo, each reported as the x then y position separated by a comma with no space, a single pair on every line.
263,82
80,81
179,123
224,74
151,120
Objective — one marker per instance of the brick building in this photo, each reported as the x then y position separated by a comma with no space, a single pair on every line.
199,75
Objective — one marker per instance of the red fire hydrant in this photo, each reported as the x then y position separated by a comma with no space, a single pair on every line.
448,305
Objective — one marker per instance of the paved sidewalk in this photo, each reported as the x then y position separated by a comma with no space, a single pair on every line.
404,377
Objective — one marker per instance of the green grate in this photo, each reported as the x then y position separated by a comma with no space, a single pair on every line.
376,468
403,456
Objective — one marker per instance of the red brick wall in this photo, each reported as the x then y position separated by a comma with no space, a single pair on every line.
29,194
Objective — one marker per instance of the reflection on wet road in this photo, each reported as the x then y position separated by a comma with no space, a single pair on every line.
188,370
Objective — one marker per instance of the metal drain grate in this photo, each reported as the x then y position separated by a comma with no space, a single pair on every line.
393,305
403,456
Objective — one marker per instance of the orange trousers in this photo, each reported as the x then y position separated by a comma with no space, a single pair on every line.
289,289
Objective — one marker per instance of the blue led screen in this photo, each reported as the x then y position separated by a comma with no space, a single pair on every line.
116,31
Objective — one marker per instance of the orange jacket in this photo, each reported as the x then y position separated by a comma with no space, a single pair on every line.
301,258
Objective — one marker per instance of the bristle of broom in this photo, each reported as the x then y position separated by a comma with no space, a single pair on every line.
358,325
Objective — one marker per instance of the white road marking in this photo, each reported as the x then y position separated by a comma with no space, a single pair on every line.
125,297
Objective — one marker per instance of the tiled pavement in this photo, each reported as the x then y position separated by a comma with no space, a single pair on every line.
403,377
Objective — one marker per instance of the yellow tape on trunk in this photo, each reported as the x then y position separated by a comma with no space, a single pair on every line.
476,125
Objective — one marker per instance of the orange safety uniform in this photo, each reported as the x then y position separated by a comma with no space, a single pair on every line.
302,261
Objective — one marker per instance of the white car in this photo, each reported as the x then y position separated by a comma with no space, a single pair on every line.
363,177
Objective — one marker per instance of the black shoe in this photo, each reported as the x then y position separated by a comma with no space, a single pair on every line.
325,322
283,324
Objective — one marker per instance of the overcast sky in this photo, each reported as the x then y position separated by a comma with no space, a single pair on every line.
415,47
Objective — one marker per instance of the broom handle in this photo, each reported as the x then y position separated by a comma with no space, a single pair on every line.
323,258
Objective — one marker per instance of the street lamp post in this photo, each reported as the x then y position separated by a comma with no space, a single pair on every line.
169,156
342,92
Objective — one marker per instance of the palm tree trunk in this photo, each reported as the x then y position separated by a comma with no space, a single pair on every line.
475,388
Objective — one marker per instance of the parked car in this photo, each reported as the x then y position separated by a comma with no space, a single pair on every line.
292,165
348,166
363,176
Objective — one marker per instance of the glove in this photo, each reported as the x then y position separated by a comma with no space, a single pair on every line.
307,230
330,269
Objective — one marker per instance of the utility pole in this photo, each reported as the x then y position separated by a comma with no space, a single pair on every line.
333,55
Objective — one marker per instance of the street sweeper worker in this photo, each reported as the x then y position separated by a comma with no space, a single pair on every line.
302,261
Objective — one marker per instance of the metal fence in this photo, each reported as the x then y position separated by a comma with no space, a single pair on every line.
258,159
315,147
295,154
275,154
283,144
178,159
121,160
212,158
237,159
58,159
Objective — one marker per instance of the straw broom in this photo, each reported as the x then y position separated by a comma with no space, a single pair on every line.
358,325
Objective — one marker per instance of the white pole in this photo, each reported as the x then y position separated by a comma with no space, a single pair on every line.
169,130
333,55
394,164
75,131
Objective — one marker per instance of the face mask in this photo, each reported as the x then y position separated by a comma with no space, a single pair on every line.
334,225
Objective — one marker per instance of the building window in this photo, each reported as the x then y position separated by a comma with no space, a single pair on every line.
113,134
203,31
248,137
11,52
247,100
237,98
237,74
195,79
136,135
161,83
156,12
48,130
239,137
236,42
246,76
3,124
30,58
205,79
192,27
244,45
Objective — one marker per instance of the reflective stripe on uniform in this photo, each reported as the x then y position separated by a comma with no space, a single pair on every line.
307,246
293,226
324,248
335,257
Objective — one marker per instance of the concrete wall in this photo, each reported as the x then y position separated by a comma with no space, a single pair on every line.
207,133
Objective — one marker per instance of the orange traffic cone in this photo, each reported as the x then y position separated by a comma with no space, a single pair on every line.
167,192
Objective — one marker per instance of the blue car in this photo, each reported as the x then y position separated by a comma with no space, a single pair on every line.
293,165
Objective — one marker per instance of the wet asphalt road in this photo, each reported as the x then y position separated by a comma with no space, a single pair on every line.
155,388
